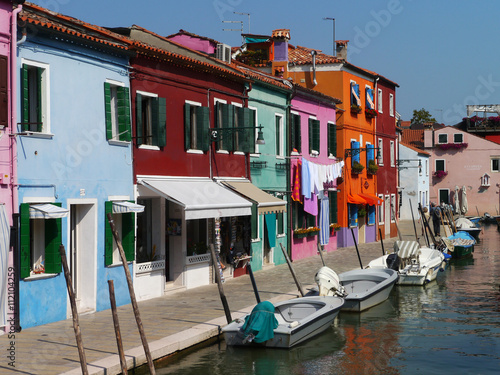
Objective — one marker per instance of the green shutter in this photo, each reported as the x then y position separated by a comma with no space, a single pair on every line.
128,234
333,207
123,109
246,138
25,104
53,240
277,133
255,221
296,133
202,126
311,146
108,235
162,122
227,123
107,109
25,250
332,139
316,135
187,126
138,118
155,120
39,125
279,219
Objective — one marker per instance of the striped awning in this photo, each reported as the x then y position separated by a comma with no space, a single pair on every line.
47,211
124,207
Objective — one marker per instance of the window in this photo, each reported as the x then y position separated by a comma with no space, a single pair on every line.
34,97
485,180
355,153
145,248
196,237
380,151
280,223
444,196
369,98
379,100
125,226
151,118
391,105
381,209
332,197
314,136
440,165
355,95
300,218
442,138
40,239
230,116
458,138
392,152
278,120
117,106
332,140
196,124
295,130
371,214
495,164
353,215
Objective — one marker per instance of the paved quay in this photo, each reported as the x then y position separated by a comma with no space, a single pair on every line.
173,322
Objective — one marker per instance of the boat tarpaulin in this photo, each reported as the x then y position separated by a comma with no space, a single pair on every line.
261,322
266,203
47,211
124,207
201,198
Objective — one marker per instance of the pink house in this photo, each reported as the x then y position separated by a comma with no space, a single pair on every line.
312,140
196,42
460,162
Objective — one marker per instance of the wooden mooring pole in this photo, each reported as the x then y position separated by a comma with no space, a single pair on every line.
74,311
381,241
132,296
321,254
357,251
112,300
219,285
299,286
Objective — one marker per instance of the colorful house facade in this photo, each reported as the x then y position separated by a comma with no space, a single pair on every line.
74,163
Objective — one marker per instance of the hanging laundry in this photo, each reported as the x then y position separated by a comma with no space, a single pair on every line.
305,180
296,182
324,220
311,205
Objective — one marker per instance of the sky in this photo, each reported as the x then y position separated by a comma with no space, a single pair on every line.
443,54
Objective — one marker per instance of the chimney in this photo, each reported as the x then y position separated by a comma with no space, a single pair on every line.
280,39
341,48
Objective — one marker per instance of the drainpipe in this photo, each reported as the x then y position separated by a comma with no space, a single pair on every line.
247,156
13,151
313,53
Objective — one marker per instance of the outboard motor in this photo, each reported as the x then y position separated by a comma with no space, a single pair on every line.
328,283
393,261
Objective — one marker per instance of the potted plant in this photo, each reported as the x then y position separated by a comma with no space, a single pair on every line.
334,227
357,167
304,232
355,108
372,167
361,211
370,113
440,174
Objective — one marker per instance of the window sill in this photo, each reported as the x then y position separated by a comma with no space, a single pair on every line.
40,276
148,147
119,264
255,240
255,155
280,157
280,235
37,135
193,151
238,153
294,153
113,142
222,152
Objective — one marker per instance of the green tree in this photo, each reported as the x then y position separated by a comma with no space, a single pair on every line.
422,115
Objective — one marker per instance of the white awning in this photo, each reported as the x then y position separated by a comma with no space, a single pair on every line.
202,198
47,211
124,207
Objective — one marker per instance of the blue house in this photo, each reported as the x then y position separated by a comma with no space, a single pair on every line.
74,164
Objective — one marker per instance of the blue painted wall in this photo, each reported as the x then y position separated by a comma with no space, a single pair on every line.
76,157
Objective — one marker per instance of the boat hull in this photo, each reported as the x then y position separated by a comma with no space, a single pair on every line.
297,322
462,252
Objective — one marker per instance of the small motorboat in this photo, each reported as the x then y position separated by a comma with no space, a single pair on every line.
361,289
284,324
460,244
415,265
465,225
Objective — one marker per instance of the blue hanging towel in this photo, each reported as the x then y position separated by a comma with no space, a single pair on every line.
324,220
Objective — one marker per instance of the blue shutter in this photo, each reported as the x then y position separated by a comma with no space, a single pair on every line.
355,154
371,214
370,153
369,98
353,215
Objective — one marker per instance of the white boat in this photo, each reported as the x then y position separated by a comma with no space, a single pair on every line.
284,324
361,289
415,265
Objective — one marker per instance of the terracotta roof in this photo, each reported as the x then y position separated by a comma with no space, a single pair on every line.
413,137
302,56
261,76
281,33
36,15
422,152
341,42
184,32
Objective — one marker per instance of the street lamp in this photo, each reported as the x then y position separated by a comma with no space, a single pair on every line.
332,19
217,134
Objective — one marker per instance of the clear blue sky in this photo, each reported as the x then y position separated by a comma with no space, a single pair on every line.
444,54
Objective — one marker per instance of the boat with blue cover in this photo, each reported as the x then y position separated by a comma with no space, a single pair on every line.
460,244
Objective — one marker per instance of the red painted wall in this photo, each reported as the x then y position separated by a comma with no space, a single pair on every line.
178,84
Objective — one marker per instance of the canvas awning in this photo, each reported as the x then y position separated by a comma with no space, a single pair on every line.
124,207
201,198
266,203
356,199
372,200
47,211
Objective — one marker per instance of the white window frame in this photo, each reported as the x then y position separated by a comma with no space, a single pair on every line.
391,105
439,195
315,153
217,100
144,146
280,154
497,159
427,167
381,210
46,130
435,164
460,134
380,159
392,153
114,112
290,129
194,104
485,180
379,101
439,141
259,218
235,104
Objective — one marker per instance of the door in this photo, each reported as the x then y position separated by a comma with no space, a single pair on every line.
82,245
387,216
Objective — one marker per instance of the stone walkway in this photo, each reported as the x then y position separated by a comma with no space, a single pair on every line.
173,322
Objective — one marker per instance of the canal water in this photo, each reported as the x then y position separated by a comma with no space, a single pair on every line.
450,326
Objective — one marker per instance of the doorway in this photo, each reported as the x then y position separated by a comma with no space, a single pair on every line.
82,245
